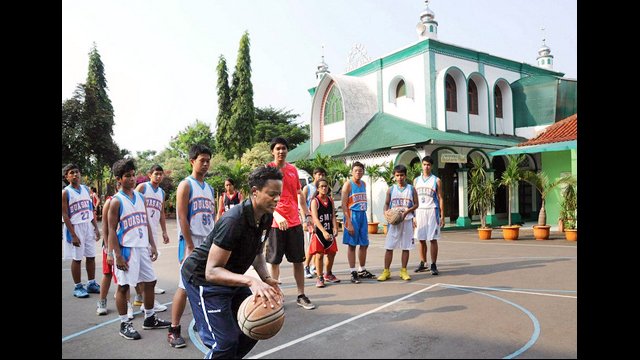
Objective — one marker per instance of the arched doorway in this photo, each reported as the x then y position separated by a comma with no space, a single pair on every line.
501,193
448,174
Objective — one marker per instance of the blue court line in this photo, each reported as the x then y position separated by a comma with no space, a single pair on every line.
534,320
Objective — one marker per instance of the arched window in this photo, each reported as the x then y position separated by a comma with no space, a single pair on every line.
451,100
401,89
497,101
333,107
472,95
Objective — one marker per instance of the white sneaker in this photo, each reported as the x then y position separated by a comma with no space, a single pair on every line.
102,307
130,310
157,307
158,291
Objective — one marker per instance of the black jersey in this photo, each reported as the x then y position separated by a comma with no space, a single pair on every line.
230,202
325,215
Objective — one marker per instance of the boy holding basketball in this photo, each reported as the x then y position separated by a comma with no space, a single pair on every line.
214,273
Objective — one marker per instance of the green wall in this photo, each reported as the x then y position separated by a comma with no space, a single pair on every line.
556,164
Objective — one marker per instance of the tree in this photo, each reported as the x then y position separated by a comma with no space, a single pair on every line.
481,191
541,182
242,122
258,155
511,176
196,133
272,122
223,132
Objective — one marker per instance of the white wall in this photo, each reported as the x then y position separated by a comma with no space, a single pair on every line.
413,72
334,131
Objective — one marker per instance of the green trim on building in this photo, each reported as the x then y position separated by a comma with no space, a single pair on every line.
558,146
430,97
312,90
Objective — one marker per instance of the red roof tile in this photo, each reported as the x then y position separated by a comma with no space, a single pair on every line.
564,130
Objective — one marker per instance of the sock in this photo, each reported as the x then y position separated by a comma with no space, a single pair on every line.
124,318
148,313
361,268
352,269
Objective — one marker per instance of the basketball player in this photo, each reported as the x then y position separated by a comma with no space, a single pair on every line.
323,239
229,198
308,192
214,274
80,238
401,197
429,215
195,207
354,196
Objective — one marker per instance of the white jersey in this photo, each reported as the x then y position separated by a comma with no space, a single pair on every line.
201,208
402,199
132,225
427,189
153,199
80,208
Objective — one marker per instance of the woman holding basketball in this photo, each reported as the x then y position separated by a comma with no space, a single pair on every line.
323,240
214,273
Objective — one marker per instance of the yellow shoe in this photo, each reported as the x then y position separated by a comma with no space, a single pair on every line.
404,275
386,274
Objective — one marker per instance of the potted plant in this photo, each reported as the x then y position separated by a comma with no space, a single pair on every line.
568,211
481,195
541,182
374,174
510,177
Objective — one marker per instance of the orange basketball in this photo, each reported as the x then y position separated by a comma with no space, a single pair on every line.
258,322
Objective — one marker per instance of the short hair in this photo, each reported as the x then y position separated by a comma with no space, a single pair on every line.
428,159
123,166
400,169
93,188
357,163
278,140
155,167
231,181
198,149
262,174
68,168
320,170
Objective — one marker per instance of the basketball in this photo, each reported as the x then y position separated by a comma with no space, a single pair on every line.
258,322
393,216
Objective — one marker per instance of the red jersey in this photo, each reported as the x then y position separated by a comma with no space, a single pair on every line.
288,204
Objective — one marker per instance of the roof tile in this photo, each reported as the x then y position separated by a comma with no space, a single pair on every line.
564,130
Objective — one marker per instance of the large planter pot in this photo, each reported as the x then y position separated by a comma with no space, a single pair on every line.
484,234
571,234
511,232
373,228
541,232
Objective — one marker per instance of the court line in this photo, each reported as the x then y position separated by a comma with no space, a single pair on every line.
293,342
519,291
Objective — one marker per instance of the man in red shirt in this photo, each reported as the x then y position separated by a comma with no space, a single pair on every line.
287,237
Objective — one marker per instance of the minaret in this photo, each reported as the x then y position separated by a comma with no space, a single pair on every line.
323,68
545,59
427,28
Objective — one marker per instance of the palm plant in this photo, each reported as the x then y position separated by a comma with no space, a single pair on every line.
511,175
374,174
386,173
569,205
541,182
482,191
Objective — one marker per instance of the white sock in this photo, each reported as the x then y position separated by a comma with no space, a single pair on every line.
352,269
124,318
148,312
361,269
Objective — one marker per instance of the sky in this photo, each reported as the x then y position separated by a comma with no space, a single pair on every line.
160,56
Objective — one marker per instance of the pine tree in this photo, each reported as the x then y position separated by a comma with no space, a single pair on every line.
242,122
224,109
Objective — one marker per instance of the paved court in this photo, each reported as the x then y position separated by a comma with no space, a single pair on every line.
492,299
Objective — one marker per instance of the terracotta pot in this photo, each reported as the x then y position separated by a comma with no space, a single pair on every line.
373,228
484,234
510,232
571,234
541,232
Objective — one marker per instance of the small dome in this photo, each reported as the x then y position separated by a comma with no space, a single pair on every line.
544,50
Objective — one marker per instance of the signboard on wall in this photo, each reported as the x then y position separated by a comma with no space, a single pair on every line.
453,158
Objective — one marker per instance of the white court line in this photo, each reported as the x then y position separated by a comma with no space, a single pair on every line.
283,346
508,290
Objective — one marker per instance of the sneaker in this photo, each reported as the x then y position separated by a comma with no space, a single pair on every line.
331,278
304,301
365,274
158,291
137,301
386,274
403,274
320,282
93,288
313,269
434,269
307,273
128,332
130,310
421,267
354,277
102,307
174,338
153,322
80,292
157,307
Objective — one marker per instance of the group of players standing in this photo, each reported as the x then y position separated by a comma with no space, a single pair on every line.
214,260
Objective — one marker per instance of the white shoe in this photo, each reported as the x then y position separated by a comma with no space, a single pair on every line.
157,307
158,291
130,310
102,307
